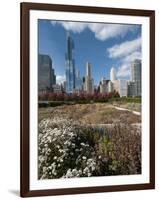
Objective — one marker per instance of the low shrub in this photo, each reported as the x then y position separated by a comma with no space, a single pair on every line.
50,96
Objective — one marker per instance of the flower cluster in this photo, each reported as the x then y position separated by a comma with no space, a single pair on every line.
64,150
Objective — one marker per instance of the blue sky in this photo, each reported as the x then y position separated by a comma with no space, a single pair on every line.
104,45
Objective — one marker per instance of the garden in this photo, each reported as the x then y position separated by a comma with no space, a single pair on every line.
85,140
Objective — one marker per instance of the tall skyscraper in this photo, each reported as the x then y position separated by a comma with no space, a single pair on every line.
78,83
89,83
70,65
113,74
53,77
136,75
44,73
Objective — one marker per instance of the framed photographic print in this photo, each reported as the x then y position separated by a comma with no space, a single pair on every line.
87,99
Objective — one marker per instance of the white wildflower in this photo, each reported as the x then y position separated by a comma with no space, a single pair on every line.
86,170
99,157
73,145
68,173
82,144
44,169
55,157
89,174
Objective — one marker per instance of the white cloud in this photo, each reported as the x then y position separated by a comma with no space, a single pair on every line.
74,26
125,48
125,52
60,79
101,31
106,31
123,71
134,55
71,26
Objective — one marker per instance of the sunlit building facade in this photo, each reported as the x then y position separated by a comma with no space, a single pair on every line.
120,86
110,87
104,86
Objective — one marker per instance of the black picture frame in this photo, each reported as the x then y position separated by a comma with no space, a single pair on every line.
25,78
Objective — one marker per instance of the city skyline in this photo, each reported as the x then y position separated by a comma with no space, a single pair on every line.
117,49
76,84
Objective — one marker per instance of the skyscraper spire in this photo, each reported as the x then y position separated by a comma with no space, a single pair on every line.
70,64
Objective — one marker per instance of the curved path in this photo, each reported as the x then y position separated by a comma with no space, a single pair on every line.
125,109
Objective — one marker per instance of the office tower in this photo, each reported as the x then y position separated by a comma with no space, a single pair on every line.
53,77
116,86
89,84
104,86
44,73
131,90
70,65
113,74
83,83
136,75
110,86
64,86
78,84
120,86
57,88
123,91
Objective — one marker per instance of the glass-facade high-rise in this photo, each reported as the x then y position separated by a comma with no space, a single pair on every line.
44,73
136,75
78,83
53,77
70,65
